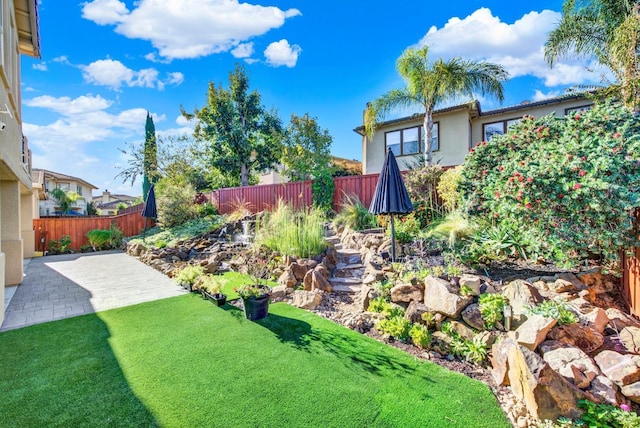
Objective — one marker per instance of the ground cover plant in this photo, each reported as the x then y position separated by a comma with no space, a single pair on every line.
162,237
570,183
184,362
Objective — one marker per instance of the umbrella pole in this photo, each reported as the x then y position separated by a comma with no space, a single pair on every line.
393,241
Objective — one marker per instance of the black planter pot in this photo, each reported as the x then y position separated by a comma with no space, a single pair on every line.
218,299
187,287
256,308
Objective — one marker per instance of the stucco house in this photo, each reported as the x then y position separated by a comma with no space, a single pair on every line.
456,130
108,203
45,181
20,36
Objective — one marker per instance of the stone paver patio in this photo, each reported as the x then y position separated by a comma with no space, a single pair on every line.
69,285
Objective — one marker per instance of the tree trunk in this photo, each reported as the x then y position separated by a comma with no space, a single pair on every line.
428,139
244,175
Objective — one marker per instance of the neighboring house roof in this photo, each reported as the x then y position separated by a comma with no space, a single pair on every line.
474,106
28,28
58,177
112,205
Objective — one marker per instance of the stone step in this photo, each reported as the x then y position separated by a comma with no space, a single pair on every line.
355,271
347,285
348,256
332,239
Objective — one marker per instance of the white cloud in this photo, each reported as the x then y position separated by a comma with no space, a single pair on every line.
540,96
519,46
243,50
69,107
40,66
281,53
114,74
188,28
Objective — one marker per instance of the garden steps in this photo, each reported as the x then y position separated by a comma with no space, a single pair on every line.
346,285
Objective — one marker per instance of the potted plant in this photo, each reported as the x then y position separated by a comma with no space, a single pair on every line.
211,288
257,294
188,275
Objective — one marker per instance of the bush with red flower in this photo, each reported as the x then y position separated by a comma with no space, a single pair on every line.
572,182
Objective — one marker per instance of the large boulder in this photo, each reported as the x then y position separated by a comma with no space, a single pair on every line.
534,331
546,393
288,279
571,362
596,319
406,293
621,369
472,316
619,319
472,281
578,335
306,299
441,296
630,338
499,359
521,295
414,312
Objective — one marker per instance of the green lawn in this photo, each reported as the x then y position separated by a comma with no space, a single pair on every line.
182,362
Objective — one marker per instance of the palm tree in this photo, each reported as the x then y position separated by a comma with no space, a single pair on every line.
64,200
430,83
607,30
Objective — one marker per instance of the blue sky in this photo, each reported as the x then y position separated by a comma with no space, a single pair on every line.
106,62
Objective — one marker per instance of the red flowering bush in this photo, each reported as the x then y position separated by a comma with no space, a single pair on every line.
571,182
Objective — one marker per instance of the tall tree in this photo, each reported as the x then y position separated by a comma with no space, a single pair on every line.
606,30
64,200
244,136
306,148
150,164
430,83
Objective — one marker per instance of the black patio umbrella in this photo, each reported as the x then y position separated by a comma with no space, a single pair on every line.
149,209
391,196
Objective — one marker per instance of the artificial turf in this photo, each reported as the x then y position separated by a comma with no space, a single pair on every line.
183,362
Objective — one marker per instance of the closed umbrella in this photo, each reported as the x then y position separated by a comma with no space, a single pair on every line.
391,196
149,209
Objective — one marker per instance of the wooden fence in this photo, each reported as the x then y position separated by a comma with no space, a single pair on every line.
630,280
48,228
298,194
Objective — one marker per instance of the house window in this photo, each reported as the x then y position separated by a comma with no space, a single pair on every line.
63,186
46,186
497,128
574,110
79,190
410,141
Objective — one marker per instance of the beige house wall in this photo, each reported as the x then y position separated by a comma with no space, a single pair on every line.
460,128
558,108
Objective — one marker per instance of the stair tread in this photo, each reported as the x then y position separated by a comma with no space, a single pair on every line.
347,288
349,266
339,280
348,251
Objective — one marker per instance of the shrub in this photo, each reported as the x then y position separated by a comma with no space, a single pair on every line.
354,215
406,229
600,416
420,336
189,274
448,188
175,202
421,182
396,326
60,246
380,305
100,239
572,182
292,233
492,308
555,309
322,190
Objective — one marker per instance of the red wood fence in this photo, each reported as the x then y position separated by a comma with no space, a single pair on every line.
131,224
631,276
298,194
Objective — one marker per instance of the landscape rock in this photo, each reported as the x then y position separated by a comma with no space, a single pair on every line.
561,286
499,360
472,316
363,298
462,330
406,293
571,362
632,392
472,281
278,293
521,295
581,336
136,249
306,299
534,331
440,296
414,312
298,271
621,369
597,319
546,393
619,320
630,338
287,279
604,391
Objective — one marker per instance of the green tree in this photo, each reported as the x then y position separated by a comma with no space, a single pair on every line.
306,148
150,163
243,135
430,83
607,30
92,209
64,200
